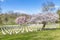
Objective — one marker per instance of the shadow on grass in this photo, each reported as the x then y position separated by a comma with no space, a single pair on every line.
51,29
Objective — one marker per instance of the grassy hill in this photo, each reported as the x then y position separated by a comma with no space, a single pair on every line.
9,18
39,35
47,34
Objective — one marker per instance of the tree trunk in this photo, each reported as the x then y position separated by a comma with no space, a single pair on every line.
44,24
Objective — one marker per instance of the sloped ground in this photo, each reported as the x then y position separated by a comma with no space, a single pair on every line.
39,35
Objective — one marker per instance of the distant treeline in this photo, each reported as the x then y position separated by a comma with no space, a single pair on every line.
9,18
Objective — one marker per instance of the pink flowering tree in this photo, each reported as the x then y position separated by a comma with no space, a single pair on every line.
45,18
21,20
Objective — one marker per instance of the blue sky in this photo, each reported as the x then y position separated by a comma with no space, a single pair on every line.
25,6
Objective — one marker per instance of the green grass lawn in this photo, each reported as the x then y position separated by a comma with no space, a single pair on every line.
39,35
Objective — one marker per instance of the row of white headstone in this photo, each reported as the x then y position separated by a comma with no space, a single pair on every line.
14,29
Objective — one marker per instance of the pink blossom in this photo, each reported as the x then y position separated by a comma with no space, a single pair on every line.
48,17
21,20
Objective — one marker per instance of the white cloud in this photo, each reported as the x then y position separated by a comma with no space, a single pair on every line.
57,6
20,11
1,0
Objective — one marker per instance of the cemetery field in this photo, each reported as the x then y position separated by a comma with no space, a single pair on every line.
48,34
